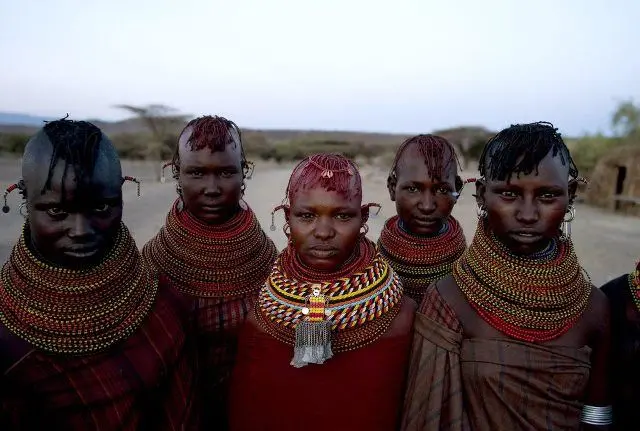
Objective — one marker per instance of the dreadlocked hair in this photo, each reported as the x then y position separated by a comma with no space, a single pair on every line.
77,143
432,148
332,172
520,148
213,132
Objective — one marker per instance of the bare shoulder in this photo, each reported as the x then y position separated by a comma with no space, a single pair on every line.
451,293
598,311
403,322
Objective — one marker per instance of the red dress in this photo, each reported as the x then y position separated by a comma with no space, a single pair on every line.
355,390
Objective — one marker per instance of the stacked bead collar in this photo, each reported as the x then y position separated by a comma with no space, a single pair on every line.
77,312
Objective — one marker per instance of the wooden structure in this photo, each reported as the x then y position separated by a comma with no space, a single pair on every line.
615,181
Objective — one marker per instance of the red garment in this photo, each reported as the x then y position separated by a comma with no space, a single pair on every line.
355,390
147,382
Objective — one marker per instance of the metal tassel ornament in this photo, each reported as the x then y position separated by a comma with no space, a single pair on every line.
313,334
565,230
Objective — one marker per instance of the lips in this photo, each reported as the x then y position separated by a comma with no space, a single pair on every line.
323,251
212,208
426,221
525,236
81,252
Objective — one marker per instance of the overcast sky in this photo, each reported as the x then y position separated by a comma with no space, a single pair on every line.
399,66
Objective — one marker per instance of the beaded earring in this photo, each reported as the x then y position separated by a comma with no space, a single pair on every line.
165,165
17,186
272,228
565,228
133,180
481,212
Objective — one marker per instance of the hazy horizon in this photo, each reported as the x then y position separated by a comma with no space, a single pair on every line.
355,65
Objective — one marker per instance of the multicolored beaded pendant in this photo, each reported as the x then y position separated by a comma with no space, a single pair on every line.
313,334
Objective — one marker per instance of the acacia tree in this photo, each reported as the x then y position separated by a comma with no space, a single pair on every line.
163,123
626,120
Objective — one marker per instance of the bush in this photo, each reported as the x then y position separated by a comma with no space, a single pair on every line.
13,143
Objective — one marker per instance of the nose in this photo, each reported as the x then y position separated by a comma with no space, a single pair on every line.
323,229
80,227
427,203
527,212
212,187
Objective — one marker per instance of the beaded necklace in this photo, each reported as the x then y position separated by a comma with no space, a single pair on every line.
634,285
77,312
421,260
530,299
230,259
350,309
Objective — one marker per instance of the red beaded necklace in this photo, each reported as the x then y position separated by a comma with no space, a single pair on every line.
230,259
81,311
530,299
419,261
350,308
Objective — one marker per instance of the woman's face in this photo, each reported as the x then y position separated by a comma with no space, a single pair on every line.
325,227
526,212
211,182
423,203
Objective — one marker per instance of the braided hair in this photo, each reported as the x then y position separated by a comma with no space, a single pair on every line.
432,148
332,172
215,133
76,143
520,148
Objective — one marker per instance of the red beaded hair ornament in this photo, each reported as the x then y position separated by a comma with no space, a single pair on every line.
332,172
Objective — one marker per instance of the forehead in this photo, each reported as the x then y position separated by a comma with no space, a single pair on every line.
550,172
413,166
314,197
230,156
104,183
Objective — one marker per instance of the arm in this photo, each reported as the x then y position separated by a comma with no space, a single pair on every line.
598,390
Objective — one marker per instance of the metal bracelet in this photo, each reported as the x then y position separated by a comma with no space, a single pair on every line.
597,415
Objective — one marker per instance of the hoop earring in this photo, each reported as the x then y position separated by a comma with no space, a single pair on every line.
565,228
481,212
364,230
22,209
287,230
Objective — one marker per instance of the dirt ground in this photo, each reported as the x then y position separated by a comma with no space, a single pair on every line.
607,244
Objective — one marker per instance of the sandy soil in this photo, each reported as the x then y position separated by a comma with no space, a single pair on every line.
607,244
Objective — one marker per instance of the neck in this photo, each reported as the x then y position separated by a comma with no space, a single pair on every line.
362,256
444,226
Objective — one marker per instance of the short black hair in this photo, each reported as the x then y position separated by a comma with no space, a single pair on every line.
520,148
78,143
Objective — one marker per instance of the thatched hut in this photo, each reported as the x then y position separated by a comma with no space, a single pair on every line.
615,181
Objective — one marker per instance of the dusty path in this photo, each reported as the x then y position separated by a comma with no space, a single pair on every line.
607,244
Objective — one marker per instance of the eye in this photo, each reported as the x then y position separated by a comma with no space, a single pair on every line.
508,194
306,216
56,212
102,208
411,189
196,173
227,174
548,196
344,216
443,190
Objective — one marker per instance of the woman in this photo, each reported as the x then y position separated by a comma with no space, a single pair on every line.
89,337
516,338
212,250
423,240
624,297
327,345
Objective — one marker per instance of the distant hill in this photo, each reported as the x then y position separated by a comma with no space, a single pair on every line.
462,137
16,119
